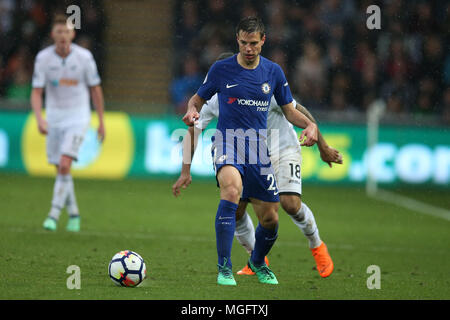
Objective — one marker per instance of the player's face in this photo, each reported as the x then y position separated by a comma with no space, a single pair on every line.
62,35
250,45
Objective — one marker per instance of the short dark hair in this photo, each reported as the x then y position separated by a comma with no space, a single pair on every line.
59,19
250,25
224,55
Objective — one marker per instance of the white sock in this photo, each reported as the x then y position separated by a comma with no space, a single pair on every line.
71,201
304,219
60,193
245,232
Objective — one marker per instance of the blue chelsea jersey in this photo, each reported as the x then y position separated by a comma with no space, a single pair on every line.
244,94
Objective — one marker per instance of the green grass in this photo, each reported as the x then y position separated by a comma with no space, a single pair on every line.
176,238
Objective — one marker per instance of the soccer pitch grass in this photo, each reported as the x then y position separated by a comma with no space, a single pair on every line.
176,238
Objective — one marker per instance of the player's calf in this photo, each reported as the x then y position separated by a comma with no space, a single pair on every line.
264,240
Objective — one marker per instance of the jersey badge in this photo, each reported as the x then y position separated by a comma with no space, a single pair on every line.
265,88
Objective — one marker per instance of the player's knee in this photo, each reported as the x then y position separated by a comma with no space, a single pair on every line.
64,165
230,193
64,169
270,221
291,204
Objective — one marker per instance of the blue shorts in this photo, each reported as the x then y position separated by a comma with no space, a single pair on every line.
258,177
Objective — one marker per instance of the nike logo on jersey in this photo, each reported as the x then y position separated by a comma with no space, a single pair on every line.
231,85
285,84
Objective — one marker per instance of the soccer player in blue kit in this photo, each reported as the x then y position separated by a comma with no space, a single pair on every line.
245,84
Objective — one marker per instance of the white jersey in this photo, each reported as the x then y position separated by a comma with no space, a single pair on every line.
66,82
287,137
210,110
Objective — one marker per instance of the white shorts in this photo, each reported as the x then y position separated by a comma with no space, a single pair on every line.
288,171
64,141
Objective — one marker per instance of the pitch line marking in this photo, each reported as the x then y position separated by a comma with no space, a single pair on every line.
412,204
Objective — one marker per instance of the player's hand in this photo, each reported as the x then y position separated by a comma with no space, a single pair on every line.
42,126
183,182
191,117
101,132
309,135
331,155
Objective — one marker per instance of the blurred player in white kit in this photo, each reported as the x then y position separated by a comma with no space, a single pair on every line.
69,75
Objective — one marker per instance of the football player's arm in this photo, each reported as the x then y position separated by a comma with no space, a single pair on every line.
189,146
99,104
299,120
36,97
207,114
194,106
327,153
36,105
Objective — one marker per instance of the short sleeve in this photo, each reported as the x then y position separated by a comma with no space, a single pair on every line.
294,102
210,85
210,110
282,92
92,76
38,80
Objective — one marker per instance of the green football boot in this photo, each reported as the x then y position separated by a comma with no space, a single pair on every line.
264,274
73,225
225,276
50,224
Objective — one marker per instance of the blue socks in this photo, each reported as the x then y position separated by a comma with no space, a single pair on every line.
225,226
265,238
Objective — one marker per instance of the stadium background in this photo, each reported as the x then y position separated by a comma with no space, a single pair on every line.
152,55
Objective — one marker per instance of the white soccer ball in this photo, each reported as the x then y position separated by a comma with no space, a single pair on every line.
127,269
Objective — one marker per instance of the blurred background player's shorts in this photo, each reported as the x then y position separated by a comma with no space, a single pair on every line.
64,141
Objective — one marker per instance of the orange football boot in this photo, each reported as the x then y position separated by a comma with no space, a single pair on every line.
247,271
324,263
